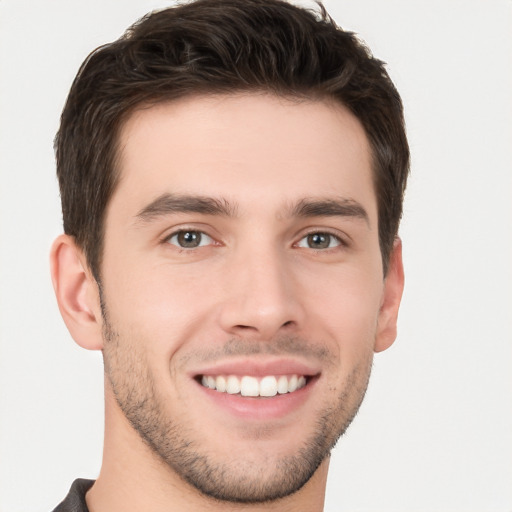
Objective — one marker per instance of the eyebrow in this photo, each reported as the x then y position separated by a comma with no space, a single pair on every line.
167,204
171,203
339,207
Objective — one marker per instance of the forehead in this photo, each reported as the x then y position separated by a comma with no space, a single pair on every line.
248,148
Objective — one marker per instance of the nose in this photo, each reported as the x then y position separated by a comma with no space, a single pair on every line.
261,297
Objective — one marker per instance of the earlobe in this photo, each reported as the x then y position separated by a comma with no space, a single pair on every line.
392,295
77,293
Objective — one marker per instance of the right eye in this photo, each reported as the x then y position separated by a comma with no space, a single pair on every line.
320,240
189,239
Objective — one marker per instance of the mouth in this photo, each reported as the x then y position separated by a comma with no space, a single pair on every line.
257,389
252,386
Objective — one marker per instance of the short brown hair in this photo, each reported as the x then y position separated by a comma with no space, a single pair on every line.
222,47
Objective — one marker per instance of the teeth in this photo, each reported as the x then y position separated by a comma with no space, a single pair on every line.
221,384
292,383
268,386
233,385
249,386
208,382
282,385
252,386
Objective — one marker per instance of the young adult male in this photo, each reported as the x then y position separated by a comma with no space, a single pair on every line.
232,176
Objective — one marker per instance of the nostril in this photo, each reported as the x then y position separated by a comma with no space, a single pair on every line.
249,328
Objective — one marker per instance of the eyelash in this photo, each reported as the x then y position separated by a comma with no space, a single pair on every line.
184,231
340,242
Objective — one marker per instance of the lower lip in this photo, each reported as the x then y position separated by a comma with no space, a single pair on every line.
260,408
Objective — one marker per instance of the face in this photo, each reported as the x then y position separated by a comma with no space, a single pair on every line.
242,287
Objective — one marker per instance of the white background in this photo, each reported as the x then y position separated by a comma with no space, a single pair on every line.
435,431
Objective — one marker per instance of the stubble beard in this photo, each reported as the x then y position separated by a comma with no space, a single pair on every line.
178,446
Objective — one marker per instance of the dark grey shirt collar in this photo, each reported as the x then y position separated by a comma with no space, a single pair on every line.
75,500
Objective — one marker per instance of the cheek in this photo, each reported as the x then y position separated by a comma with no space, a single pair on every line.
347,313
158,306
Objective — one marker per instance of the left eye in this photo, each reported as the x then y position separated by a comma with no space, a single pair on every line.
190,239
319,241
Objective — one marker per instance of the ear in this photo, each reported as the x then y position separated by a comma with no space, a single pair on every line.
77,293
391,297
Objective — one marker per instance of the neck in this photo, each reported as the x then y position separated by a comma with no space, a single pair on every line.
133,478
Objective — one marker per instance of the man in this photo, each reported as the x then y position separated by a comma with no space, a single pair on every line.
232,175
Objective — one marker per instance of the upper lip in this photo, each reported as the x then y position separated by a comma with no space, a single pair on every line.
258,368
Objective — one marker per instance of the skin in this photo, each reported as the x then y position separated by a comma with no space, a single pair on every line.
256,291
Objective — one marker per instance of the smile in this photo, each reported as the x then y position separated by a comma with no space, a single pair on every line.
250,386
